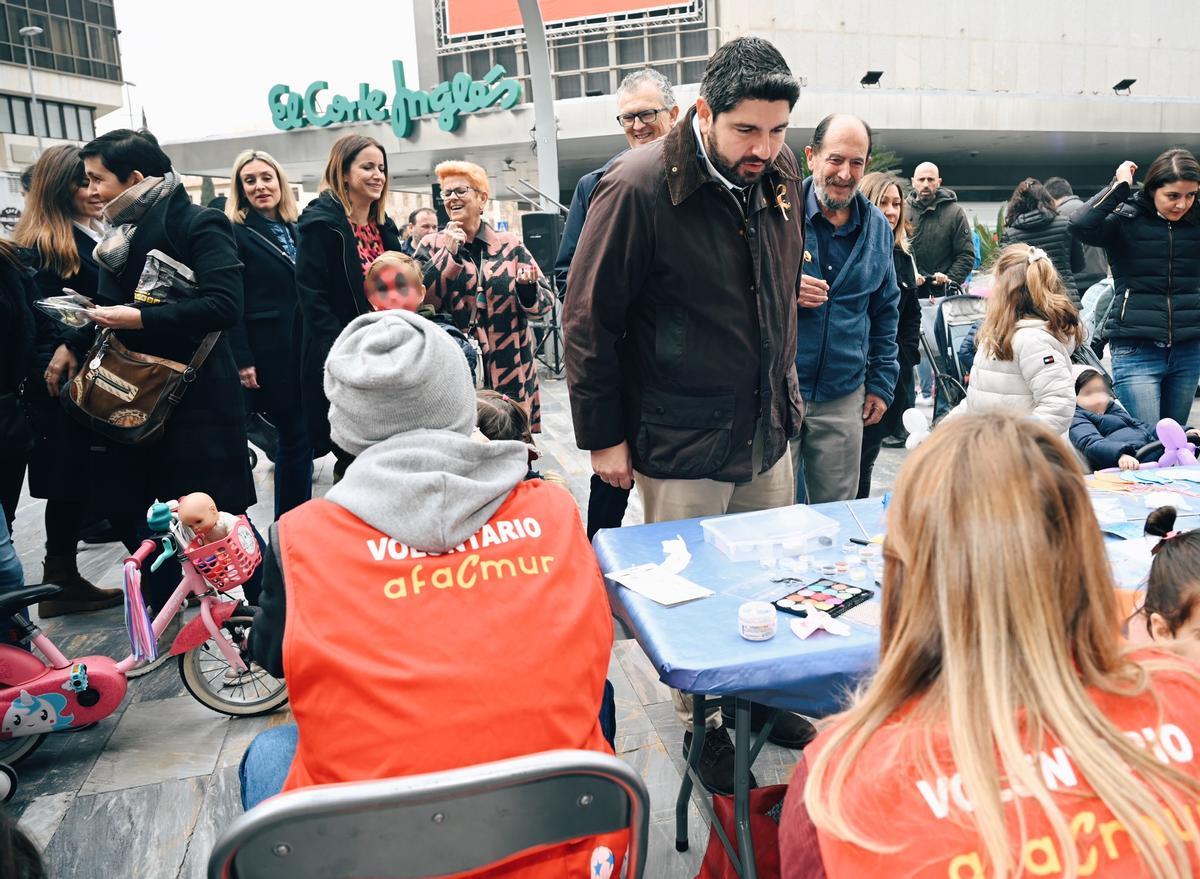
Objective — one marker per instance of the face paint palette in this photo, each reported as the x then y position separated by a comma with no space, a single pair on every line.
824,595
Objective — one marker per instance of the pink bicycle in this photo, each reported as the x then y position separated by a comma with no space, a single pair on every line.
51,693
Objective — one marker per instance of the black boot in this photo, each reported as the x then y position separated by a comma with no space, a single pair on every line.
78,594
790,730
716,761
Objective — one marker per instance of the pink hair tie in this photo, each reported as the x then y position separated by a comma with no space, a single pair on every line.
1170,534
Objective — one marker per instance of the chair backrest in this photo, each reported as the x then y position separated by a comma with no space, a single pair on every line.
439,823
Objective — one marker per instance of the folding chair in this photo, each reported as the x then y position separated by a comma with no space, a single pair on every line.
423,826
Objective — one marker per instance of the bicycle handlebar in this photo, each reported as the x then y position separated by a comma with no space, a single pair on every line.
143,552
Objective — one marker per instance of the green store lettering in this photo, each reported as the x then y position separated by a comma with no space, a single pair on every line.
450,100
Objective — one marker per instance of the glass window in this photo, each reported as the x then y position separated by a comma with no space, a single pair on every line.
71,120
60,36
566,58
693,44
6,52
595,51
596,83
480,63
76,8
693,71
40,6
106,16
631,50
87,127
54,118
6,123
662,47
569,86
667,70
506,57
20,110
448,65
39,119
91,12
83,68
58,7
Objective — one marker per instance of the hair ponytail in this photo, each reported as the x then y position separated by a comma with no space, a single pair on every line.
1027,286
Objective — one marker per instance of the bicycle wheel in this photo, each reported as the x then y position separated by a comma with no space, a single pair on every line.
16,750
210,678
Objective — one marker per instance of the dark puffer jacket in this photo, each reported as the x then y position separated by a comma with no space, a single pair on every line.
1103,439
1155,265
941,239
1049,231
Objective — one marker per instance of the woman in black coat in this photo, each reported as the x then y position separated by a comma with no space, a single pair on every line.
1152,238
341,233
58,231
16,353
1032,218
204,445
263,212
884,191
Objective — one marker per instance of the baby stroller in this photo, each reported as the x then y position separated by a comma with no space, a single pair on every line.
955,317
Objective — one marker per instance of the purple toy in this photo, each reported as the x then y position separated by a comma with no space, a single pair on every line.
1177,451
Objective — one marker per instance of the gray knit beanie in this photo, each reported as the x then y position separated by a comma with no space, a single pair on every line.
390,372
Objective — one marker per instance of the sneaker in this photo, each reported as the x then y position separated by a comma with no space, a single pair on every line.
790,730
716,761
234,678
896,440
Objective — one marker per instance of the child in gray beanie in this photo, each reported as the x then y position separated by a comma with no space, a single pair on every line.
390,372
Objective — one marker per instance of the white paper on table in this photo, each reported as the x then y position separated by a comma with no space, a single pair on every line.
677,555
1108,510
659,585
1157,499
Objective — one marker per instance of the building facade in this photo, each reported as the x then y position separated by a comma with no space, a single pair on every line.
76,63
992,94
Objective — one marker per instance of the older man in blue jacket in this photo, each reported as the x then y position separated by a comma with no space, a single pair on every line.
846,354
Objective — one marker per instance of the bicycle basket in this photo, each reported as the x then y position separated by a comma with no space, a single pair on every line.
227,562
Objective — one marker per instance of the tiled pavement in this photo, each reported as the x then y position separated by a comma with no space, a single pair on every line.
146,792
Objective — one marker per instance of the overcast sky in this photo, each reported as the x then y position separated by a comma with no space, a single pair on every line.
205,68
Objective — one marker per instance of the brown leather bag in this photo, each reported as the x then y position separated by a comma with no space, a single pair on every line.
125,396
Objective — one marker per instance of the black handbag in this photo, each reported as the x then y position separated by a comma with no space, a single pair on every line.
16,435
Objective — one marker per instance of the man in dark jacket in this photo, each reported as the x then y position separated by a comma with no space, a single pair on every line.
421,222
646,110
941,240
680,317
1095,263
849,305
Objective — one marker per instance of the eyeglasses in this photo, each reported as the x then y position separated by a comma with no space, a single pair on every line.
457,192
647,117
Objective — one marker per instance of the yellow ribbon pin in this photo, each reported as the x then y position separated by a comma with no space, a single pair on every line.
781,201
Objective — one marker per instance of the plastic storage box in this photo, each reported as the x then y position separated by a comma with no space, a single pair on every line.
769,534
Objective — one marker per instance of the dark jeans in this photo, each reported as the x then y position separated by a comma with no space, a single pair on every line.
606,506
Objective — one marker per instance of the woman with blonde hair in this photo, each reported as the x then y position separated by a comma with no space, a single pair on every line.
1005,731
263,212
58,231
489,283
886,192
1029,331
342,231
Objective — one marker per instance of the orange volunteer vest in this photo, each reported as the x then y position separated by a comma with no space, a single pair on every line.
400,662
928,816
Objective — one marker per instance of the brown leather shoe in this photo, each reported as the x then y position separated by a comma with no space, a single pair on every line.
78,594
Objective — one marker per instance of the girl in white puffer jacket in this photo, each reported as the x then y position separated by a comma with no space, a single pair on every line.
1025,342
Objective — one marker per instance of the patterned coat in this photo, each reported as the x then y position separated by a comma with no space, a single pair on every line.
491,309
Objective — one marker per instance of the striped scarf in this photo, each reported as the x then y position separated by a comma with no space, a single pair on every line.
122,215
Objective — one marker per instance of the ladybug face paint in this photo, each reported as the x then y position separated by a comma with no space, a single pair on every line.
390,288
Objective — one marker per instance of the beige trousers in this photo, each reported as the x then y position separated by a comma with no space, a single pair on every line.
665,500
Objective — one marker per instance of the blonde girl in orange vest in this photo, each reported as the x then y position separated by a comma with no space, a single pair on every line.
1005,732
